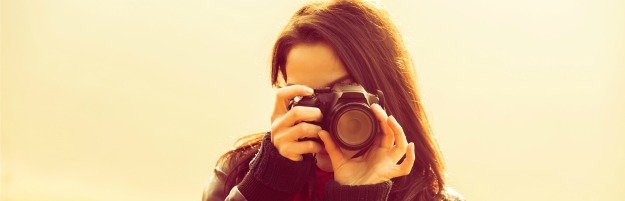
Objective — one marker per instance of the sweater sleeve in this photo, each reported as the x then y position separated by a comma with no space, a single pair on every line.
274,177
335,191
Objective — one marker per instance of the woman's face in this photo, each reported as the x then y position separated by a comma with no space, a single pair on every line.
316,65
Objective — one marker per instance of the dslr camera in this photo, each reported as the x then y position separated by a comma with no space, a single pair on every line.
347,114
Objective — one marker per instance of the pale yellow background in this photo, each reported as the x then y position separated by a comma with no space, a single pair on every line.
135,99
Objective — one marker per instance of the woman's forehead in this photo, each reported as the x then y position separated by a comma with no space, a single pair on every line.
344,80
315,65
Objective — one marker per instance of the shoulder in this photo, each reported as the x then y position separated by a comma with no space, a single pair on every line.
450,194
229,170
235,161
246,148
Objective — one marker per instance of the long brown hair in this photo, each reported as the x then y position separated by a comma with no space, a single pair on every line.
372,51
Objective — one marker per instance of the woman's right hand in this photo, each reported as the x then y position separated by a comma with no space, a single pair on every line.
287,126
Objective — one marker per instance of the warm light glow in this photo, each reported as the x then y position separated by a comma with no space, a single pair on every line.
135,100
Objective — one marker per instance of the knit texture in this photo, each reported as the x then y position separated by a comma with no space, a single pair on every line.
274,177
373,192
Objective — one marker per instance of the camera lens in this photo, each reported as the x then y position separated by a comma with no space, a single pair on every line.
354,126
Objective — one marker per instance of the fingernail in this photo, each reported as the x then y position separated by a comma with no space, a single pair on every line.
321,135
307,89
375,105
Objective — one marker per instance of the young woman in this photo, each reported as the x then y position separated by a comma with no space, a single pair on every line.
324,44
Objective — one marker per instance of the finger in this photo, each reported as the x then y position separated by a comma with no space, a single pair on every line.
299,131
400,136
388,136
406,166
285,94
295,150
296,115
335,153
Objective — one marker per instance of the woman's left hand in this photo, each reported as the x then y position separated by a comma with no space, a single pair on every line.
379,164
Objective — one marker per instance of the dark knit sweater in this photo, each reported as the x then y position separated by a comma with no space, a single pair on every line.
274,177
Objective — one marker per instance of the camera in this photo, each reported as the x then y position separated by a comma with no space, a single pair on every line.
347,114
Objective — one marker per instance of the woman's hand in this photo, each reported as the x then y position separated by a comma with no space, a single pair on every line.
287,126
379,164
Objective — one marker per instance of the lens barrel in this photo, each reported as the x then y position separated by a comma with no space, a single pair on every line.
353,126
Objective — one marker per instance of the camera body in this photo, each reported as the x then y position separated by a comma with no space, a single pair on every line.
347,114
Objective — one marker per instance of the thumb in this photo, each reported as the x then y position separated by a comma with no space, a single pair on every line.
335,153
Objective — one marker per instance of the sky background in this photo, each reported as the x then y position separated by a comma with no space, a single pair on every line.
135,99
